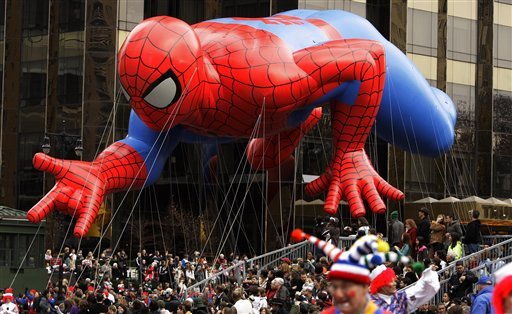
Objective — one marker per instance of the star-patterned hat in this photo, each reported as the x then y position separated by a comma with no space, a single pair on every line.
355,264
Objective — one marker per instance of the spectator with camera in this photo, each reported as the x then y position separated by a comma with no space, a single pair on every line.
461,282
332,231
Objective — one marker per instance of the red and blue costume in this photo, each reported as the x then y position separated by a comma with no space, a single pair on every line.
265,79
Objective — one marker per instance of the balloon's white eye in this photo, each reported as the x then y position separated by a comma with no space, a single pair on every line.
163,94
125,93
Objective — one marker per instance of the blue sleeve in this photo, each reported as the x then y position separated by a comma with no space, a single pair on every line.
153,146
478,307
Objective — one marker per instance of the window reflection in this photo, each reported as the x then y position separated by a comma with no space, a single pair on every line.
461,41
71,17
502,175
463,97
35,18
502,46
422,32
131,13
502,117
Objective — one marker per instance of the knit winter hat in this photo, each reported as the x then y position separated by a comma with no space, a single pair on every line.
355,264
503,287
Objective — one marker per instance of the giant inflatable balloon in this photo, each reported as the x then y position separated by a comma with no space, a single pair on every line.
264,79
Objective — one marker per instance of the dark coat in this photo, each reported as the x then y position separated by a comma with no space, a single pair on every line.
424,230
454,227
461,289
473,235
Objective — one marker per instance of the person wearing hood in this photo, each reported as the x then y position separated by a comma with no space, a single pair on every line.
452,225
482,302
396,229
473,237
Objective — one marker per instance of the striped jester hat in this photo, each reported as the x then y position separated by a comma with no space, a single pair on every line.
355,264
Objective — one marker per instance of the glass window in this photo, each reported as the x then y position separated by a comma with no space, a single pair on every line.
422,32
2,22
30,181
463,96
70,81
71,17
502,176
459,174
420,169
502,46
35,17
502,144
502,116
131,13
33,84
461,41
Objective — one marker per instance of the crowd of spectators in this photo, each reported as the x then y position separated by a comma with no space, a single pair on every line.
161,283
442,242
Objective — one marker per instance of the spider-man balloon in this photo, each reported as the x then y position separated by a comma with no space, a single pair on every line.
264,79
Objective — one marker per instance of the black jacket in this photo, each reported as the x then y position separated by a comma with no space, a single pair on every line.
424,230
461,289
473,235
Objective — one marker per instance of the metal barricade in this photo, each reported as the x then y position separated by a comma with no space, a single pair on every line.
492,255
238,271
494,239
486,268
345,243
273,259
218,277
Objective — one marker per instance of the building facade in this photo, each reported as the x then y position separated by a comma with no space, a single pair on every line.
463,48
59,87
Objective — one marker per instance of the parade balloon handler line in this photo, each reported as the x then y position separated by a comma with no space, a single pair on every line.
110,117
133,181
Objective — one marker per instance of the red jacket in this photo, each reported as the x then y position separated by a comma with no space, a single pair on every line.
413,233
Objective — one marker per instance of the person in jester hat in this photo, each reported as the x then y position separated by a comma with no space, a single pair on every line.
384,292
8,306
349,275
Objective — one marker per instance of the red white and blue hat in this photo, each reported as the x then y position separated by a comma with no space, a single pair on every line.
355,264
7,296
503,288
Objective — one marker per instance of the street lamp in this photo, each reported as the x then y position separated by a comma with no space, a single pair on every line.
79,148
46,146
